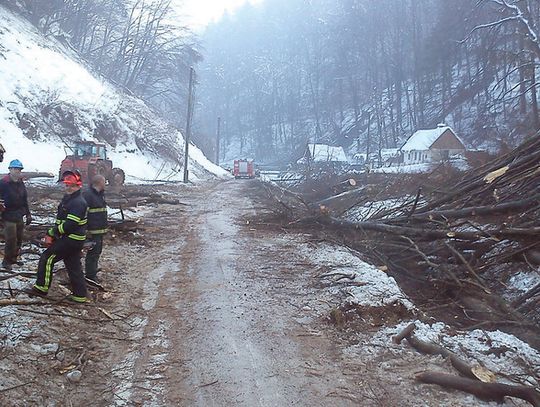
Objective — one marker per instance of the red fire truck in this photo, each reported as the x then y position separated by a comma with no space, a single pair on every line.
244,168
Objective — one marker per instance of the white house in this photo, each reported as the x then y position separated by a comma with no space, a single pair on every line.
321,153
432,145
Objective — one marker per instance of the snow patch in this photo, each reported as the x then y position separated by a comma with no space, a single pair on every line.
39,75
378,289
524,281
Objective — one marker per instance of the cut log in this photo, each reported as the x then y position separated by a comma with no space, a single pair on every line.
486,391
404,334
470,384
344,186
34,174
430,233
474,211
341,203
433,349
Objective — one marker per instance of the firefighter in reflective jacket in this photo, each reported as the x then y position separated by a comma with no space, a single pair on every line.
97,224
66,239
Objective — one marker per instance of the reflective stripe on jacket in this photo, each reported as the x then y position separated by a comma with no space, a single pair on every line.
71,218
97,211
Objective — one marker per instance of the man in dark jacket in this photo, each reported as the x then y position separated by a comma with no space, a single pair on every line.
14,207
97,224
65,240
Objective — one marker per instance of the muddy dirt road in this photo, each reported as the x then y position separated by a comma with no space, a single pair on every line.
224,314
208,305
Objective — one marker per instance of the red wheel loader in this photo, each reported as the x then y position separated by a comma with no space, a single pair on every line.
90,159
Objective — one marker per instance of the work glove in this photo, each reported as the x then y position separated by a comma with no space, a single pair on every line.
28,219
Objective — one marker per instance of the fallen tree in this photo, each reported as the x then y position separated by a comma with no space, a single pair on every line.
485,391
457,237
33,174
475,379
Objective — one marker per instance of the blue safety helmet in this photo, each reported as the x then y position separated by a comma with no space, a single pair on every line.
15,164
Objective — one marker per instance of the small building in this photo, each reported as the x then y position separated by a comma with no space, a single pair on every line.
322,153
432,145
324,157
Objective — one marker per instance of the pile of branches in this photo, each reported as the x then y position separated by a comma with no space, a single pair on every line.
453,246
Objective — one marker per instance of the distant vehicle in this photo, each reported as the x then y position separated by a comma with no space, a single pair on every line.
244,168
90,159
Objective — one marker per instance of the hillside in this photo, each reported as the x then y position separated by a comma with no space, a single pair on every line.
366,75
49,98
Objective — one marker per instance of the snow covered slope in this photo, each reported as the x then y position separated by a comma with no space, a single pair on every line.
48,99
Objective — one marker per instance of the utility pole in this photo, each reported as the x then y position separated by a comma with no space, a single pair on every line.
218,137
188,125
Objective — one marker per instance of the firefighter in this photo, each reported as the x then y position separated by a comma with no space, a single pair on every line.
97,225
14,208
65,241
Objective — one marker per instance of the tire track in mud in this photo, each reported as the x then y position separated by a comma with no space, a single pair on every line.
142,368
141,375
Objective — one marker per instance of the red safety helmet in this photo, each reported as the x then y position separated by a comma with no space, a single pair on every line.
72,178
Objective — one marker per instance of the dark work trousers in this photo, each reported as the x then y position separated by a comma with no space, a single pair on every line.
13,234
92,257
68,250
